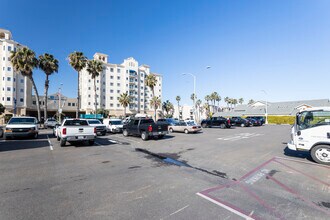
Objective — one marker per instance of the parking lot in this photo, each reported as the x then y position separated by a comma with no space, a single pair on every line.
217,174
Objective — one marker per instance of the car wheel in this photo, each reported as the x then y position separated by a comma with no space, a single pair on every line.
58,138
35,136
103,134
321,154
160,136
204,125
223,126
186,131
62,142
242,125
170,130
144,136
91,142
125,133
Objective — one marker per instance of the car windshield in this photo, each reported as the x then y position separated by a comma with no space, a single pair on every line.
22,121
116,122
191,123
93,122
311,119
51,120
75,122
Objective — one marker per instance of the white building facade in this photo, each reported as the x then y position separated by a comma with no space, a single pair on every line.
115,80
15,90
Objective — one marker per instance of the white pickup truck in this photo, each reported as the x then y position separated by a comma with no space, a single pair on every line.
311,132
75,130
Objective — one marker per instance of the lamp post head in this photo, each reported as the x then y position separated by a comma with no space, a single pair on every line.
208,67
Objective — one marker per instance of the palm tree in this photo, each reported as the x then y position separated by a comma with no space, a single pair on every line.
151,82
78,62
251,101
235,102
227,101
198,105
214,96
155,102
193,97
49,65
178,99
24,61
240,101
94,68
124,100
207,109
218,99
167,106
207,98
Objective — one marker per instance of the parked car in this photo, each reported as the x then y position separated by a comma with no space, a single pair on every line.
238,121
55,129
21,127
75,130
113,125
50,123
254,122
1,132
216,121
100,128
145,128
258,118
186,127
169,121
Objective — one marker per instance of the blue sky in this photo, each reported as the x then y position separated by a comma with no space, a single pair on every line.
280,46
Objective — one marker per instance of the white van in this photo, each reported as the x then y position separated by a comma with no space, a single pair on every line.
113,125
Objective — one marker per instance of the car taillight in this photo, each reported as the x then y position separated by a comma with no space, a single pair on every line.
95,130
64,131
150,128
194,127
228,121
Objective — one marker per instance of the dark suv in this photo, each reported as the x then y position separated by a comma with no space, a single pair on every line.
216,121
260,119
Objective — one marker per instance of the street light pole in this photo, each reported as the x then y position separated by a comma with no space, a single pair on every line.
59,102
266,113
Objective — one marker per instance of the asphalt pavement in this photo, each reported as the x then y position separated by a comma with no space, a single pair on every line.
217,174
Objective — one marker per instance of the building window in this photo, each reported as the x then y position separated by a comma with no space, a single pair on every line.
118,105
118,91
111,97
8,79
89,80
118,70
111,84
89,88
111,77
117,98
14,89
73,104
118,77
9,48
8,58
111,91
69,103
34,102
111,105
97,88
89,103
8,99
103,90
97,81
21,90
22,80
111,69
89,96
118,84
8,89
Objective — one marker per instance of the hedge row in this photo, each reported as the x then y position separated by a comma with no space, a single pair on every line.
281,119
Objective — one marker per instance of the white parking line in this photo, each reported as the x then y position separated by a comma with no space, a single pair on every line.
50,144
239,136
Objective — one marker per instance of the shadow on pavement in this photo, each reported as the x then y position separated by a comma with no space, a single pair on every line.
298,154
20,144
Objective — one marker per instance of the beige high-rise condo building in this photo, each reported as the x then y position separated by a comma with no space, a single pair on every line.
115,80
15,89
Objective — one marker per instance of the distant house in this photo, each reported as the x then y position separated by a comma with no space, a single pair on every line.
274,108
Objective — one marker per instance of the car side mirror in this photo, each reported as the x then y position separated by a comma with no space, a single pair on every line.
298,133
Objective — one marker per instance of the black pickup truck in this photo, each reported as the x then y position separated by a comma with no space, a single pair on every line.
145,128
216,121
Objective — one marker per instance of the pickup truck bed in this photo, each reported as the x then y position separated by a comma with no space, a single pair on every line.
76,130
145,128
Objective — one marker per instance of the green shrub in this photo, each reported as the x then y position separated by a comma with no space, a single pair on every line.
272,119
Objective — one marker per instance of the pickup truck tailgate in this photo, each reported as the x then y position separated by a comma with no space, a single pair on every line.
160,127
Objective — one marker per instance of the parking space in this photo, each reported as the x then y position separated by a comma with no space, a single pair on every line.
238,172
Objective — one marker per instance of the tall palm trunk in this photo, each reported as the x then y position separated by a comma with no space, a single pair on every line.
46,96
124,111
37,97
95,96
153,95
179,110
78,97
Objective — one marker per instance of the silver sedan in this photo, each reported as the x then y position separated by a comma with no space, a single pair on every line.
186,127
